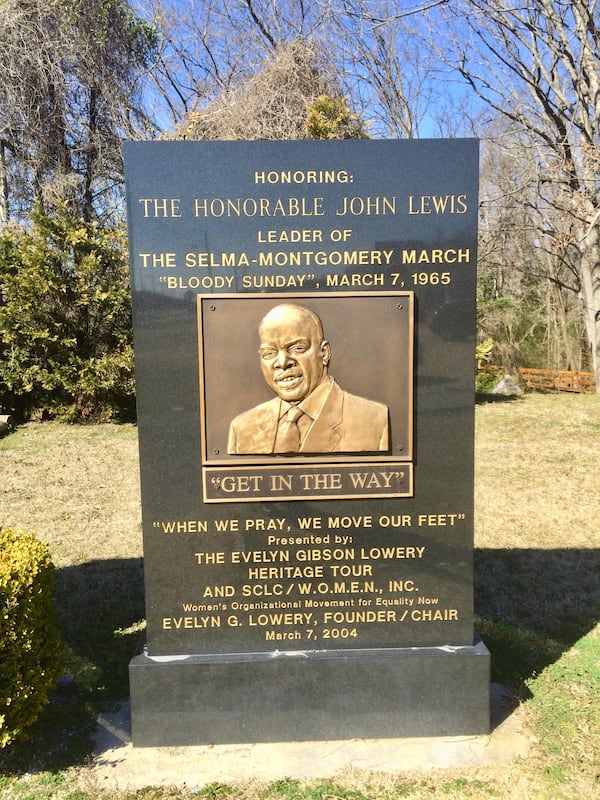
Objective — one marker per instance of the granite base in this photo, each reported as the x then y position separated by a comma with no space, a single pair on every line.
304,696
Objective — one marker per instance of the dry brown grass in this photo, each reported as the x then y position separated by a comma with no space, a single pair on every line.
538,472
77,487
537,514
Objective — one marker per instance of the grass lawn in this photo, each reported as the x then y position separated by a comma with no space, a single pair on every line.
537,588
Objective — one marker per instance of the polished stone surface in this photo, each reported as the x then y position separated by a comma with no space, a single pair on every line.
197,368
300,696
278,613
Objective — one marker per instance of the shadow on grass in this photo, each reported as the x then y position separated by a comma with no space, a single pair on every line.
531,606
487,397
98,605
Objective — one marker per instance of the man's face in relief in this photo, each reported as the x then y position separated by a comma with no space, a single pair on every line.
293,353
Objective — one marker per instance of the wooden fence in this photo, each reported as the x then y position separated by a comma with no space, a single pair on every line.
550,380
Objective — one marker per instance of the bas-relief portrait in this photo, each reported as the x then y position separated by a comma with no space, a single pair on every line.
310,412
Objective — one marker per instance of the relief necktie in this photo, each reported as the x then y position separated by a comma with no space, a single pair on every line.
288,433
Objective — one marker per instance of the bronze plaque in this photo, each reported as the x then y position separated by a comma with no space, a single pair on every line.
304,319
232,379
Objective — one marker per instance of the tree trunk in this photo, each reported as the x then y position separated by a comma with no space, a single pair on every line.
3,188
589,270
90,158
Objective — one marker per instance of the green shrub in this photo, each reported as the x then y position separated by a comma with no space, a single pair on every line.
65,321
330,118
485,381
30,647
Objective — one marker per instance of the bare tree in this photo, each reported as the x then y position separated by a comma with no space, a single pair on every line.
272,104
389,70
528,301
374,51
538,64
3,187
68,95
208,47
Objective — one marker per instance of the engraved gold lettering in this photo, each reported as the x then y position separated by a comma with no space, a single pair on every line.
303,540
316,481
261,524
337,554
285,618
437,615
351,522
354,570
191,622
210,558
279,573
450,255
401,586
241,483
292,236
302,176
438,520
259,556
263,590
353,617
210,260
366,206
160,260
356,279
323,258
227,524
374,480
185,526
438,204
217,207
160,206
218,591
203,282
374,553
279,636
273,281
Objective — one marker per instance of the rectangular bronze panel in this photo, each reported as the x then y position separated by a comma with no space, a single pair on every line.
307,482
231,380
